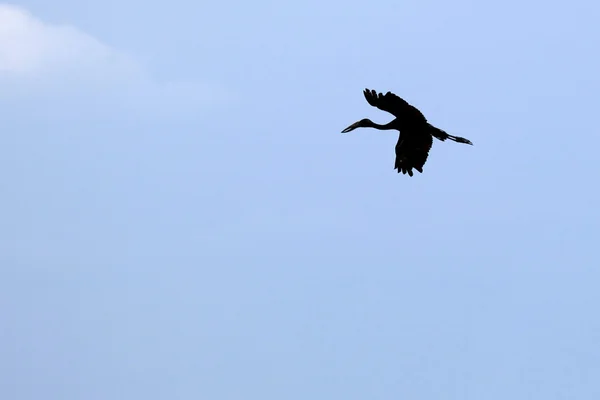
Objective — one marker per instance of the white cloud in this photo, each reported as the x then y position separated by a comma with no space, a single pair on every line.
38,57
32,48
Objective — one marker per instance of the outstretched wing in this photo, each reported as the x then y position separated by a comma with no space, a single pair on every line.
394,105
412,151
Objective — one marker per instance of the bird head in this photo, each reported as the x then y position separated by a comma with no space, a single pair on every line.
363,123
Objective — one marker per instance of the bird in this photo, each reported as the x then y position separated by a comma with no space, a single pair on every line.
416,134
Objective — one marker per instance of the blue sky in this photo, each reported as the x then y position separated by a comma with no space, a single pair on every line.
182,218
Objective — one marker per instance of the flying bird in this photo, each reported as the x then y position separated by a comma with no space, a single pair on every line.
416,134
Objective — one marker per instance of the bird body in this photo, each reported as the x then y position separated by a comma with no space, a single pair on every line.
416,134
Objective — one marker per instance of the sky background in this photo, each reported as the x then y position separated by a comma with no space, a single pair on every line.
182,219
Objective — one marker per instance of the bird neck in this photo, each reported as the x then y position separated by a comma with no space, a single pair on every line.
388,126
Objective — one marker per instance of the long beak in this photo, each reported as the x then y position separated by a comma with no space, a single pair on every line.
351,127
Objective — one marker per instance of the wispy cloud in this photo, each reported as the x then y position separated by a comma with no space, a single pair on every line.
39,57
30,48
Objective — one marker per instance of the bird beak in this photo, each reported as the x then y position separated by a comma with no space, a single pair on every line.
351,127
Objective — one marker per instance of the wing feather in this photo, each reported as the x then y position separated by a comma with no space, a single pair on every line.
395,105
412,151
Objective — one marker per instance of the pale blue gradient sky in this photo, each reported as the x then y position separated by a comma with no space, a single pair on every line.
209,234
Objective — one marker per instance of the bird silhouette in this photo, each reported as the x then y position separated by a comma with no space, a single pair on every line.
416,134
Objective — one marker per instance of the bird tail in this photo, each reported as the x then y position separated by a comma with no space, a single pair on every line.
442,135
